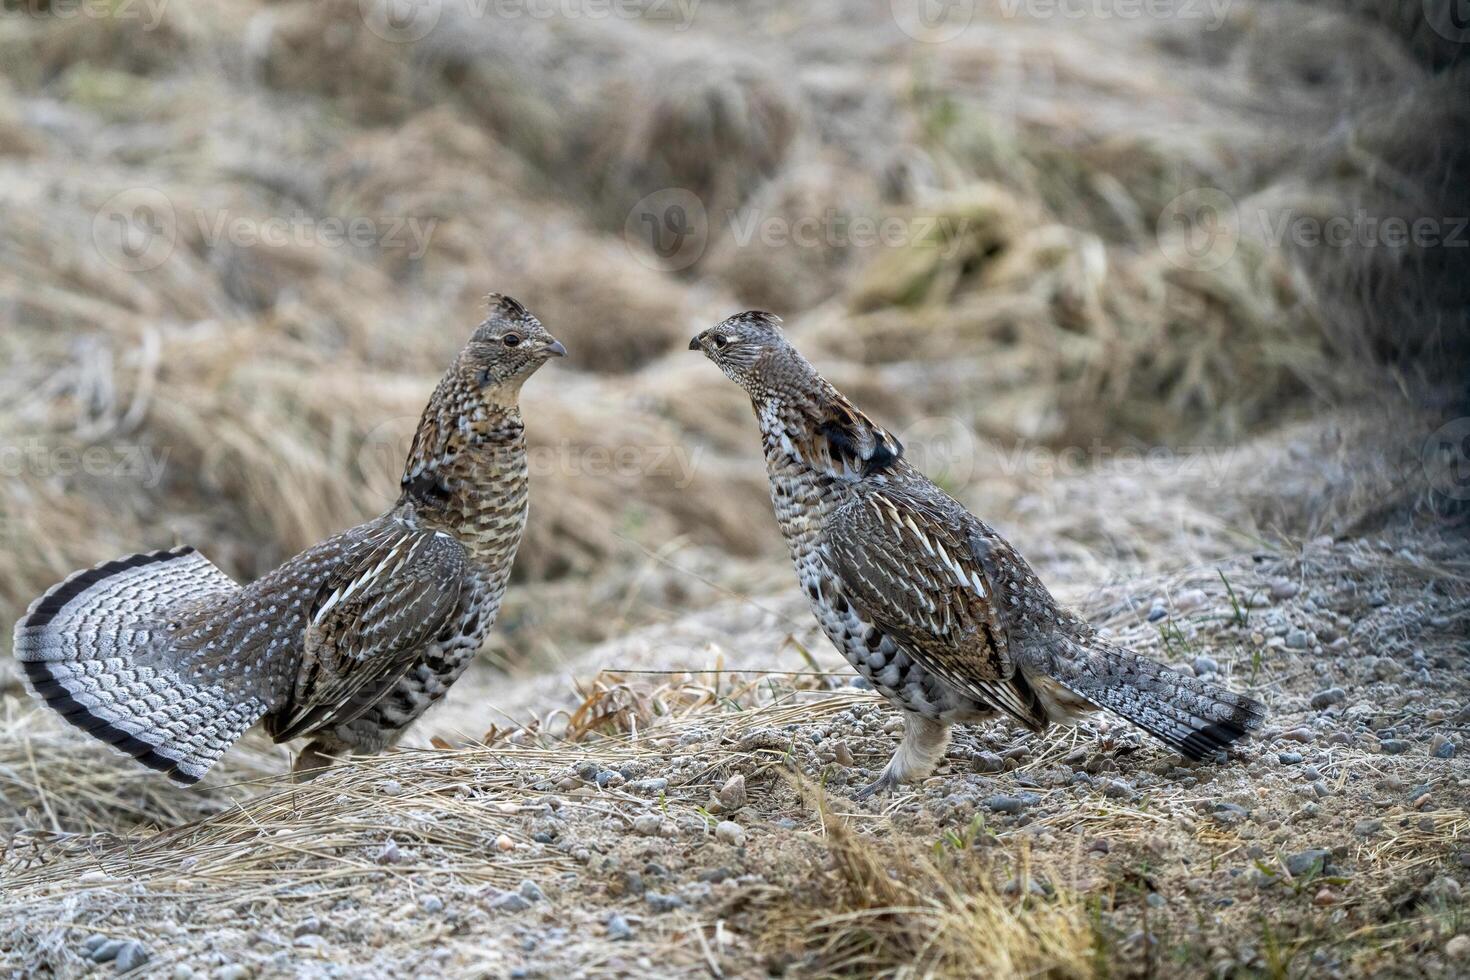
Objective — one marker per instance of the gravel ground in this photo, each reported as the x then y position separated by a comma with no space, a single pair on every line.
690,823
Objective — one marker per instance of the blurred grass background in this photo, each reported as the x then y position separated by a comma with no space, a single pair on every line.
175,285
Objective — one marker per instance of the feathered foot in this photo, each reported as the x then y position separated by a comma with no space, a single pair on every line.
919,753
311,763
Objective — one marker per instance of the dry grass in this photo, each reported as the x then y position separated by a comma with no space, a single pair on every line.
876,913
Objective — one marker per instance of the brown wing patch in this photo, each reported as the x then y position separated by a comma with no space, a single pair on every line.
907,564
369,621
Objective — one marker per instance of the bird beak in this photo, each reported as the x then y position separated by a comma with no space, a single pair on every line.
694,343
555,349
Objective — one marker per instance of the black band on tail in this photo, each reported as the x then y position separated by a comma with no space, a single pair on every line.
38,672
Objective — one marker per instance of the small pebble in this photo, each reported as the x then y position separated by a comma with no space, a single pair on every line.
130,957
1393,746
531,891
1190,599
618,928
988,762
1204,666
1367,828
1445,888
1284,588
1005,804
1329,697
655,785
509,902
841,754
732,794
1458,948
107,951
390,853
1298,639
1313,861
647,824
661,902
730,833
431,904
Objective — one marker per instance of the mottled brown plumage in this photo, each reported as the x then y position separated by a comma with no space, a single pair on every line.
928,602
165,658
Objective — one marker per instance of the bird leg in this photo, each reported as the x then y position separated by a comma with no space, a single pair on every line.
310,763
919,751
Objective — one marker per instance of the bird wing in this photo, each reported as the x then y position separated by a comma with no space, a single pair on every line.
929,574
368,622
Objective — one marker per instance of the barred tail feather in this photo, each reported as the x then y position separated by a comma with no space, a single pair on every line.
94,649
1198,719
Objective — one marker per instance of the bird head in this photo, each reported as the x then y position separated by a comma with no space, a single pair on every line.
753,352
507,348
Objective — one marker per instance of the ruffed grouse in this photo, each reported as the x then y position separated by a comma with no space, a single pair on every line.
165,658
933,607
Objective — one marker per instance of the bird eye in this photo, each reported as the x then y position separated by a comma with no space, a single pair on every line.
720,342
511,340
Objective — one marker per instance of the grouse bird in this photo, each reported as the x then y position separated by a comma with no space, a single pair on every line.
164,657
928,602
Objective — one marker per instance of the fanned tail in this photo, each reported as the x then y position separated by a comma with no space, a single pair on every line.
1198,719
95,649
